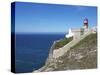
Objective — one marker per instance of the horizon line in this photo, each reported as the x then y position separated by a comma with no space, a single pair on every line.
40,32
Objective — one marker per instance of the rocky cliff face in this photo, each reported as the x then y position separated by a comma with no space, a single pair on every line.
81,56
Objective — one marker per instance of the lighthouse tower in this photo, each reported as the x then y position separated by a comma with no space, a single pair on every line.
85,23
86,29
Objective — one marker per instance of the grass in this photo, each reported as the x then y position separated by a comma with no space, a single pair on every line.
62,42
90,39
84,47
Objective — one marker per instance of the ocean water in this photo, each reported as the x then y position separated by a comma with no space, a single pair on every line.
32,50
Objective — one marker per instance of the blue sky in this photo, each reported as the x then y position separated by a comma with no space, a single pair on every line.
44,18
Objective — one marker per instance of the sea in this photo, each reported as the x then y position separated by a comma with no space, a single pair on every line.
32,50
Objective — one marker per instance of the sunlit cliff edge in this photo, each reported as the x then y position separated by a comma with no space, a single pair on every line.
82,55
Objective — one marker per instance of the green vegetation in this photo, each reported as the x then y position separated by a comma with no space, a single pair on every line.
62,42
82,56
90,39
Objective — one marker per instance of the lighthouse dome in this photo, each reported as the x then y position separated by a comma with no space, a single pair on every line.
85,20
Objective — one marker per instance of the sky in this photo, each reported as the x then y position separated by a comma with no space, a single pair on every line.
51,18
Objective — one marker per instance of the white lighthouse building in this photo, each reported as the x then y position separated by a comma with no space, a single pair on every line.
77,32
85,23
70,33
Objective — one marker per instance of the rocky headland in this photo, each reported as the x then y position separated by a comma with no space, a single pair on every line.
82,55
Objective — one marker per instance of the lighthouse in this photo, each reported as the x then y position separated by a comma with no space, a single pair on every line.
85,23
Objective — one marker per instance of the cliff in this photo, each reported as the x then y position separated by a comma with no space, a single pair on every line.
82,55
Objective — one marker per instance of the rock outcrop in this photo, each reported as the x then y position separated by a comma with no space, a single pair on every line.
82,55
